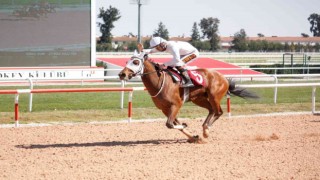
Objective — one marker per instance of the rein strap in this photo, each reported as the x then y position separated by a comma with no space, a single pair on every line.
162,85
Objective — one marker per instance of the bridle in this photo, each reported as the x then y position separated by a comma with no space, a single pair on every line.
139,71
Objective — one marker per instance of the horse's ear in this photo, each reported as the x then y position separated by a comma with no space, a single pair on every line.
145,56
142,55
135,53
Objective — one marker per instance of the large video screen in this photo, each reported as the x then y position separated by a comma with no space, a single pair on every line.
38,33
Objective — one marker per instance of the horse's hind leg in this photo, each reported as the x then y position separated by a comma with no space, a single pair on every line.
216,116
217,112
203,102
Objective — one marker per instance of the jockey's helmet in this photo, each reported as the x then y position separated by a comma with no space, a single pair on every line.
155,41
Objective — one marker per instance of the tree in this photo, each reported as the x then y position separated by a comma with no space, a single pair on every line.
286,47
253,46
240,41
260,35
317,47
314,20
304,35
292,47
195,36
264,45
108,17
161,31
210,27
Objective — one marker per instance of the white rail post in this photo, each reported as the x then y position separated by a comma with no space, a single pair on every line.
16,110
313,99
275,91
30,95
122,95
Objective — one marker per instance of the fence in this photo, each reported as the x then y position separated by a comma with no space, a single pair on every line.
240,77
29,91
122,89
130,90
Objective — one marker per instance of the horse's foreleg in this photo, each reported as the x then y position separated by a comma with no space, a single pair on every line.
172,122
184,131
191,138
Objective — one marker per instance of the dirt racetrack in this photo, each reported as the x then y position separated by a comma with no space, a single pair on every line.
269,147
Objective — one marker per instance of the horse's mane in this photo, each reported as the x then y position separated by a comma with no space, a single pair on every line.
150,60
154,64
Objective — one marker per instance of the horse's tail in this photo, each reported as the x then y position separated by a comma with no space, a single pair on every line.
241,92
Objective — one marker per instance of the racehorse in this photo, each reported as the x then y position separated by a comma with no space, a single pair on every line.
169,97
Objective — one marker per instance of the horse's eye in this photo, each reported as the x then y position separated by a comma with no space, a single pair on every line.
136,62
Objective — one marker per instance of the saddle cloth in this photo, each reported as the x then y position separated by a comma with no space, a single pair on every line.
194,75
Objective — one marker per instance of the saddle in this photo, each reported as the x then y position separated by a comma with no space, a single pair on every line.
194,75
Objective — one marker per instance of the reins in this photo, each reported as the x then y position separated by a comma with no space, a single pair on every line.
162,83
138,68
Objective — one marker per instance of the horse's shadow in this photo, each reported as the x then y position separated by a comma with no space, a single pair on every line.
105,144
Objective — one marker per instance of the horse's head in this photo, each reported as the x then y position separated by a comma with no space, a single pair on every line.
133,67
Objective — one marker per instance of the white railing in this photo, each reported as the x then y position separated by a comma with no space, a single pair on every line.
32,81
130,90
313,85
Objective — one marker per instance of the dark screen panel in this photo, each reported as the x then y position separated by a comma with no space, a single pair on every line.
45,33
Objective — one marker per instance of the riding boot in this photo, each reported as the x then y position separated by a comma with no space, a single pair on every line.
185,76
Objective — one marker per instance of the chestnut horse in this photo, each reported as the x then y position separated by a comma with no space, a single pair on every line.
169,96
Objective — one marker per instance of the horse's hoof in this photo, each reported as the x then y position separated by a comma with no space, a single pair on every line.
191,140
197,140
185,125
206,133
169,125
202,141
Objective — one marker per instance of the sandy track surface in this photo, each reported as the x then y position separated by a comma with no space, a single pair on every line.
275,147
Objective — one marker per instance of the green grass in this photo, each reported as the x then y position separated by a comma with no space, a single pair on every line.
102,106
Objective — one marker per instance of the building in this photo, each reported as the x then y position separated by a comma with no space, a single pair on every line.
226,42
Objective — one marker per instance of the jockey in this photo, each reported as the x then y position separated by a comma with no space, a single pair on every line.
182,52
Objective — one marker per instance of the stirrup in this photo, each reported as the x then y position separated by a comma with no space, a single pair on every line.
188,84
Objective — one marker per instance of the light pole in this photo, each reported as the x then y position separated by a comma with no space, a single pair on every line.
139,34
139,3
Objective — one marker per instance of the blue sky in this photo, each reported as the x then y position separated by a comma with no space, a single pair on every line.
269,17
